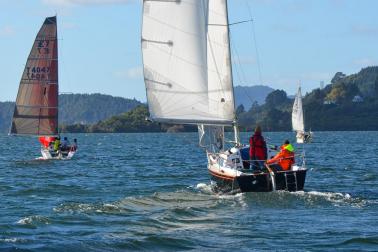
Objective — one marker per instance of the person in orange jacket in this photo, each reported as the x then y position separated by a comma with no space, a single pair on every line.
284,159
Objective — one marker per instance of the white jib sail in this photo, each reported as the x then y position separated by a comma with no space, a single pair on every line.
211,137
221,98
174,46
297,114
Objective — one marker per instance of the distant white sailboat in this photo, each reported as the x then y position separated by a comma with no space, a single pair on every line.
188,78
297,120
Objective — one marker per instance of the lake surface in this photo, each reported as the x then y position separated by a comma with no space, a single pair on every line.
152,192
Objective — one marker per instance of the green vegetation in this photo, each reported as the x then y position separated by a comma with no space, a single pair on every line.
78,109
331,108
91,108
6,111
129,122
247,95
274,115
348,103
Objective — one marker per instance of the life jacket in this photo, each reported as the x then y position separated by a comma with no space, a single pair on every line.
285,158
56,144
257,147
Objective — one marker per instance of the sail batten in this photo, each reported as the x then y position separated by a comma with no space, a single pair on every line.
36,109
180,83
297,113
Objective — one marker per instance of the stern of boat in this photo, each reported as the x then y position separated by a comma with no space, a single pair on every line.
47,154
227,171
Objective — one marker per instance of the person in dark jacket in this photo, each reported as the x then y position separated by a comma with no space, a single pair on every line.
257,150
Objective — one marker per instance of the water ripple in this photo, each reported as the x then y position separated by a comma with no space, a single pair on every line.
152,192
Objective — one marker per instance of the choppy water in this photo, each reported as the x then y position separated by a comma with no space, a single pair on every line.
151,192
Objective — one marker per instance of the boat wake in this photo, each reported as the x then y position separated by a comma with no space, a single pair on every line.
335,198
310,197
200,197
205,188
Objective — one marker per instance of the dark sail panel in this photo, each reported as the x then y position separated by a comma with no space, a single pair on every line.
36,110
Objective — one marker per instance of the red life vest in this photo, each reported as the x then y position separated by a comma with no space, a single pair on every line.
257,149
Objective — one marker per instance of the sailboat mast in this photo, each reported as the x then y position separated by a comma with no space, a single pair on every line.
57,77
235,122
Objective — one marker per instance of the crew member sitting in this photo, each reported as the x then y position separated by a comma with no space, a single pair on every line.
284,159
74,145
257,150
57,144
65,144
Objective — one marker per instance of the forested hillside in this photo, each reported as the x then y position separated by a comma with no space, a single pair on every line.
347,103
129,122
247,95
6,111
78,108
91,108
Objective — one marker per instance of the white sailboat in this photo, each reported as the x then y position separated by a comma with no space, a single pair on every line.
297,120
188,78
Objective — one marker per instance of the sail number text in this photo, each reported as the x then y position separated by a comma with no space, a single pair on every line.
43,47
37,73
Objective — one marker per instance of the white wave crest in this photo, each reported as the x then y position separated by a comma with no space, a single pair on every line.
13,240
335,198
205,188
33,219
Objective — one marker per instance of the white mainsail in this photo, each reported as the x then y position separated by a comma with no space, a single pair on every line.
187,68
297,114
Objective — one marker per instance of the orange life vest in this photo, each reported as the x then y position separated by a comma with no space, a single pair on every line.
284,158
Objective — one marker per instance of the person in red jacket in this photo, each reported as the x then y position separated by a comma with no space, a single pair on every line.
257,149
284,160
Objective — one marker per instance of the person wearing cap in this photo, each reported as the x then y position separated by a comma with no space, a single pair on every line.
284,159
257,149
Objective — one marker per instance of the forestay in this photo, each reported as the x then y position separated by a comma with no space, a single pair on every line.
186,62
36,110
297,114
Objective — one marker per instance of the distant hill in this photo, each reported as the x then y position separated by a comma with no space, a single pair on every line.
347,103
129,122
247,95
6,111
91,108
78,108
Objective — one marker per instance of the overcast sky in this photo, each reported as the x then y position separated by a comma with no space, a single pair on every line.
99,42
